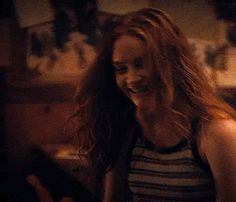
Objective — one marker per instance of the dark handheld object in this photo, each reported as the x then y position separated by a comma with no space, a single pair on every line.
58,182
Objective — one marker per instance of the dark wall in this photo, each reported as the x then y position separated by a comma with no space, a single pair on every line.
6,8
226,10
3,147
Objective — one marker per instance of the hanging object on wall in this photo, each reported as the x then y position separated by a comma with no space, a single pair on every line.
61,45
33,12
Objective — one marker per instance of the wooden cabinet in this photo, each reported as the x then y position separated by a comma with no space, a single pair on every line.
36,123
31,124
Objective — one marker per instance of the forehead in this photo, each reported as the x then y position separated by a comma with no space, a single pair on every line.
127,48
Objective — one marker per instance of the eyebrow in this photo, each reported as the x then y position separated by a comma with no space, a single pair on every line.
122,63
119,63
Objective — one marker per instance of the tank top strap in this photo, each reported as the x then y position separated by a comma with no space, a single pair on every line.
194,146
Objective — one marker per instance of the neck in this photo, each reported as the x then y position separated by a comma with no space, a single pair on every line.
162,130
162,134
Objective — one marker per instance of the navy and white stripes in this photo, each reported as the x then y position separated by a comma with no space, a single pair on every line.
171,174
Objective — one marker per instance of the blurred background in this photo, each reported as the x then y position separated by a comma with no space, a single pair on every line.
46,47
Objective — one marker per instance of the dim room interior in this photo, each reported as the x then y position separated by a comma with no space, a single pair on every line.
46,47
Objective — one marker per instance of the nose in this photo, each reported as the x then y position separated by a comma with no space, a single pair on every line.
133,76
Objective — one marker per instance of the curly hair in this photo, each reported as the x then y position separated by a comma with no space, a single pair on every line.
105,114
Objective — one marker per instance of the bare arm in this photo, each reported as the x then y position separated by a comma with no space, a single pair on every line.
42,192
218,146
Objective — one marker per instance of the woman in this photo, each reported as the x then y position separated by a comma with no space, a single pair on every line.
152,124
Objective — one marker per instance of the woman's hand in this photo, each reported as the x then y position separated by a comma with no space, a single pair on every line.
43,193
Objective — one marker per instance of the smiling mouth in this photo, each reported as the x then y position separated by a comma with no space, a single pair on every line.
140,90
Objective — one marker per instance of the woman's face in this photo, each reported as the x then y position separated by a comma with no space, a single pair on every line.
132,75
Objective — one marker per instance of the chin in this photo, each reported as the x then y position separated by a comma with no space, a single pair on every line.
137,103
145,103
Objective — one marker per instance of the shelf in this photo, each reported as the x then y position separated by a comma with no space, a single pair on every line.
42,90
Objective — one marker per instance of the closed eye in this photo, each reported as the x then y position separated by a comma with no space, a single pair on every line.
120,68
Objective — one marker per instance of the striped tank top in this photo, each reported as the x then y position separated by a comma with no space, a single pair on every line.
169,174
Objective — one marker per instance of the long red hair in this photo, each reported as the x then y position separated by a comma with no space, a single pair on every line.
105,114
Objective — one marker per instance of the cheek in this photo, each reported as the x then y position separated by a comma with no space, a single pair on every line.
120,83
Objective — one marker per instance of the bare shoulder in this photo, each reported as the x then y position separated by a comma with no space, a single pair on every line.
224,128
218,135
218,146
218,143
